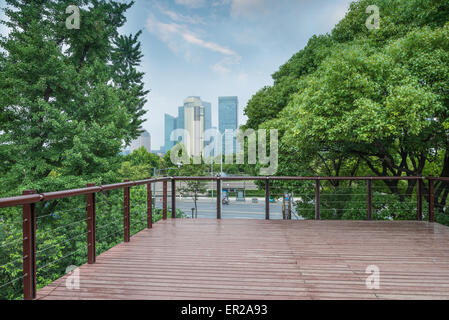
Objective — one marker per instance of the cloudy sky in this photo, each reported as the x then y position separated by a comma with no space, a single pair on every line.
212,48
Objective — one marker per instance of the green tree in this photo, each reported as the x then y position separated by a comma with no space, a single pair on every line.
65,112
126,58
375,107
366,102
139,165
142,156
269,101
193,189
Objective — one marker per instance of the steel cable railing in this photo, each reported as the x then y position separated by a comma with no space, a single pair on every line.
109,220
138,209
59,234
11,257
122,208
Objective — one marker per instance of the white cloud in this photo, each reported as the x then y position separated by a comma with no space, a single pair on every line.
271,9
193,39
219,3
179,39
191,3
182,18
224,65
175,16
247,8
220,69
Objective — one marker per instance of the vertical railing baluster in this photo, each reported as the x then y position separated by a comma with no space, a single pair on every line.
173,198
317,199
164,200
218,198
91,226
369,200
267,199
149,206
431,199
126,214
419,187
29,248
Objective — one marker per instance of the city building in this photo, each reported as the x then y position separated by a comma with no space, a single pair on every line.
195,116
207,120
170,123
143,141
228,115
194,113
207,115
180,119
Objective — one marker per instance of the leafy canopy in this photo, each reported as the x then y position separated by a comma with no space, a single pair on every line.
69,99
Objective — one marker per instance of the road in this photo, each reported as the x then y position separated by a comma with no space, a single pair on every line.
235,210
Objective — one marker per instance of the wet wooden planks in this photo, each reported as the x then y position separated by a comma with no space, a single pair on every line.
254,259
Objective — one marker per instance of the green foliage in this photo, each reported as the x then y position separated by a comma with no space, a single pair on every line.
61,235
347,201
139,165
269,101
68,98
126,57
365,102
193,189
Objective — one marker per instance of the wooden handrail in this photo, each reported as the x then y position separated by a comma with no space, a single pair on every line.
30,198
46,196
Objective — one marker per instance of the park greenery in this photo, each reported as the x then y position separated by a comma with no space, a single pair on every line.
70,100
363,102
352,102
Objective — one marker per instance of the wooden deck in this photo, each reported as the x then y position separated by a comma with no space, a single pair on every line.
250,259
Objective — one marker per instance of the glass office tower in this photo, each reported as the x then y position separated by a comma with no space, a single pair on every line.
228,109
194,116
170,125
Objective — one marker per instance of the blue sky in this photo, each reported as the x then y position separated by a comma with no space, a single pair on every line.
212,48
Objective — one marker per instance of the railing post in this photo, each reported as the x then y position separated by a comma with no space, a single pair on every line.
173,198
419,188
369,200
91,226
126,213
149,206
164,200
317,199
29,248
431,200
267,199
218,198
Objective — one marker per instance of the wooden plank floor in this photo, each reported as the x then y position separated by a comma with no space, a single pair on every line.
250,259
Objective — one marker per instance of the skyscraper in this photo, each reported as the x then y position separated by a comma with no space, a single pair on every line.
194,113
195,116
143,141
207,120
228,118
207,115
170,125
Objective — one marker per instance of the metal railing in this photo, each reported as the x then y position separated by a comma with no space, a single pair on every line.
30,198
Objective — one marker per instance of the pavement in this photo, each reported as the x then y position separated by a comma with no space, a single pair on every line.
235,210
